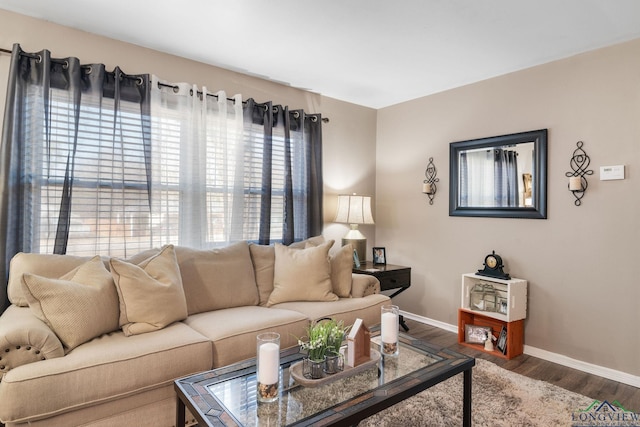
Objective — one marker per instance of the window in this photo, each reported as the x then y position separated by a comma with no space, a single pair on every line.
110,206
206,183
106,163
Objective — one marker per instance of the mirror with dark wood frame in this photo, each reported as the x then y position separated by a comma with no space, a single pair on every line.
500,176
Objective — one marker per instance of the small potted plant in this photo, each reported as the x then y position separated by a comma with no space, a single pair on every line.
323,340
336,334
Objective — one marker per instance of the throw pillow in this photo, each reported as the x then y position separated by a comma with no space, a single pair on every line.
46,265
79,306
263,258
341,268
217,278
151,293
311,241
302,275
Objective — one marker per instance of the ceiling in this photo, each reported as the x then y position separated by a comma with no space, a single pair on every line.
369,52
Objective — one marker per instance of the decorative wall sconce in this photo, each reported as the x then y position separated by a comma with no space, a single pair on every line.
429,185
577,181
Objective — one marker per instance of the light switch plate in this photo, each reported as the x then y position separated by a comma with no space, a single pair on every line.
611,172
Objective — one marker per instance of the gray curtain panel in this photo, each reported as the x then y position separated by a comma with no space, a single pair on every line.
301,135
57,101
506,178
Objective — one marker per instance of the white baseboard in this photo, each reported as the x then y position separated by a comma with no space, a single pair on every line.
601,371
430,322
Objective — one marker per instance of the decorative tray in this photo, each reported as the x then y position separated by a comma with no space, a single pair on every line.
296,371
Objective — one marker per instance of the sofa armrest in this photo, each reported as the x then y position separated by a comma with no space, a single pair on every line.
25,339
363,285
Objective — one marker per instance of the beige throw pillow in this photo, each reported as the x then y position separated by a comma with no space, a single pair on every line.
46,265
263,258
217,278
79,306
341,268
311,241
302,275
151,293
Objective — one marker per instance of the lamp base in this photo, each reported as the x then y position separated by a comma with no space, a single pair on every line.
360,246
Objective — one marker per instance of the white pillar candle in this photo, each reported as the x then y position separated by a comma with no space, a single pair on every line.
269,363
426,188
389,327
575,183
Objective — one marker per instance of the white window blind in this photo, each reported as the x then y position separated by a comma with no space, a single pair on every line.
204,168
109,201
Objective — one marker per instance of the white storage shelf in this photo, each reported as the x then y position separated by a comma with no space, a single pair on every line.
513,292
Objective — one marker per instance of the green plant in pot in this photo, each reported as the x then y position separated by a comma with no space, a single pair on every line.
315,343
336,334
324,338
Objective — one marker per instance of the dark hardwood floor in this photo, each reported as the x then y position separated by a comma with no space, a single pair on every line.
570,379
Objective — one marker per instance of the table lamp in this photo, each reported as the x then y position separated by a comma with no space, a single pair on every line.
355,210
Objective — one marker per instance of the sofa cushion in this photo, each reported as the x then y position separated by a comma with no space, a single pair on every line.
46,265
302,274
217,278
79,306
151,294
233,331
107,368
341,265
263,258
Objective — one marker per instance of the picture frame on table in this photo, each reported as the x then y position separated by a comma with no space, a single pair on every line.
379,255
476,334
502,341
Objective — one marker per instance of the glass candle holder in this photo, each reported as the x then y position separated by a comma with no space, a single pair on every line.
333,362
268,366
390,315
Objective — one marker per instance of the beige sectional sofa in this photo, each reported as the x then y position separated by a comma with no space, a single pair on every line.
99,341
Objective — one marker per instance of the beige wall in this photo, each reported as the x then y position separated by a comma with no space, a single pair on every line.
582,262
349,137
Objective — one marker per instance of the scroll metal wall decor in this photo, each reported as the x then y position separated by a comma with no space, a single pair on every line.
429,185
577,176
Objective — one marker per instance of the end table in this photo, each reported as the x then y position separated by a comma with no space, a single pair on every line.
391,277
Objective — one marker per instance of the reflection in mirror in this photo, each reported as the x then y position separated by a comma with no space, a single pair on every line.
495,176
503,176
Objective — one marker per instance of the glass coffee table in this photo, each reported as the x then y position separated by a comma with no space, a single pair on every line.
227,396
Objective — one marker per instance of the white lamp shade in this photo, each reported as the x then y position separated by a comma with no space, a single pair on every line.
353,209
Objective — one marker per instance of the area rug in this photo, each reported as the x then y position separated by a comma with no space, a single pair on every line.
499,398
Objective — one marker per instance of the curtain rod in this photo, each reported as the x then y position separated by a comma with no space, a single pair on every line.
3,50
176,87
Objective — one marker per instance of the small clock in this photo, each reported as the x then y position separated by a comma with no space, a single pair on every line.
493,267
